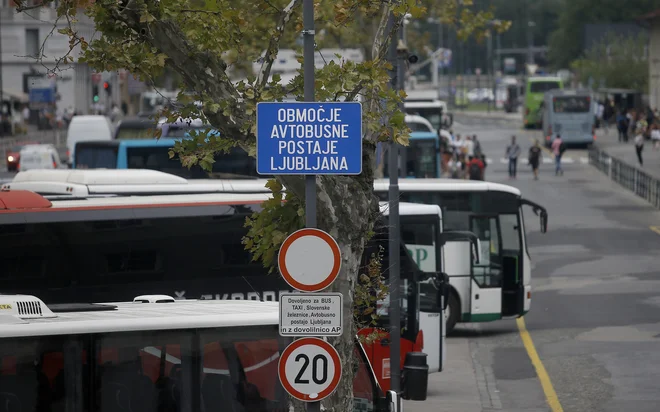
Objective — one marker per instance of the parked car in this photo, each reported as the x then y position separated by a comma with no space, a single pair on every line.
39,156
13,156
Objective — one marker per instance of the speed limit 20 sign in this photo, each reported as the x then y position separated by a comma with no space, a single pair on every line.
309,369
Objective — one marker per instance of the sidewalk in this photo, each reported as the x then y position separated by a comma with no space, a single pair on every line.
456,388
626,151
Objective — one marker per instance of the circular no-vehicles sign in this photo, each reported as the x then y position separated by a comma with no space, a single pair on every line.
309,369
309,260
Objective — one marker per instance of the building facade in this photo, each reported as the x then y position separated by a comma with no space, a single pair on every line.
29,46
652,20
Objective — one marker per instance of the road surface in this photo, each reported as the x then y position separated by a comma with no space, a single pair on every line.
594,326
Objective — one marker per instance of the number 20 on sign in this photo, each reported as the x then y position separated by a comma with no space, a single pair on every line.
310,369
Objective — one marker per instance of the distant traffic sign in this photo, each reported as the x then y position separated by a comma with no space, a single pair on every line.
309,369
309,260
311,314
45,95
309,138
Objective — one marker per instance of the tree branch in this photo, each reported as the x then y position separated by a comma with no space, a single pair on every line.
20,8
203,72
274,44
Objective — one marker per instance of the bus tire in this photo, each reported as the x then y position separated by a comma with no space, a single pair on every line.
454,307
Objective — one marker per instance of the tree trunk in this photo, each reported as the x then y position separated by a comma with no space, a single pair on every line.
347,210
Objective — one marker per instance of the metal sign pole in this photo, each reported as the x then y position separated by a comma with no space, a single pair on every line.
308,78
394,233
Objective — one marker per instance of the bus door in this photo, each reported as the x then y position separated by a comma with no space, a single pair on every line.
420,234
513,288
486,279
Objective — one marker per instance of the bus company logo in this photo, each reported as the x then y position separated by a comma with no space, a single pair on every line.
5,306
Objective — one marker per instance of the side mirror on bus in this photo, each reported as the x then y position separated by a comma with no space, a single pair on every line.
539,211
442,283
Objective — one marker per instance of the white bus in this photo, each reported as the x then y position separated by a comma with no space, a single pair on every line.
499,285
153,354
140,206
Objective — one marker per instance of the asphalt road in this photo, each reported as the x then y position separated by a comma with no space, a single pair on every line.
595,316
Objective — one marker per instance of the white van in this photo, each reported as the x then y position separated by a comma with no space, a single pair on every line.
86,128
39,156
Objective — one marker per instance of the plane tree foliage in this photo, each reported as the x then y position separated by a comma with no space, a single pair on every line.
567,41
203,40
616,62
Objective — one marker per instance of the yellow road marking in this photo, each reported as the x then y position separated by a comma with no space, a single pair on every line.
548,389
656,229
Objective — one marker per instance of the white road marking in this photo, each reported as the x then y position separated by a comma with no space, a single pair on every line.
547,160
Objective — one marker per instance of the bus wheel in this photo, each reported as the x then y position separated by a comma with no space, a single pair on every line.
454,308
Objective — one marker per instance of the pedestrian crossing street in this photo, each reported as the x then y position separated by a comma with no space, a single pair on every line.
546,160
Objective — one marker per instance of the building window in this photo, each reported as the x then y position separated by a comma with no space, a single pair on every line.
32,45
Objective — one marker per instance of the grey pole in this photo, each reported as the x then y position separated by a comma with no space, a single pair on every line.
308,73
308,77
394,232
2,96
488,64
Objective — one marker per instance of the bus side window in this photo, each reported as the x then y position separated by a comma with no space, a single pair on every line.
32,375
141,370
259,361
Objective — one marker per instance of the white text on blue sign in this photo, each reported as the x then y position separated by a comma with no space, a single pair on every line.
309,138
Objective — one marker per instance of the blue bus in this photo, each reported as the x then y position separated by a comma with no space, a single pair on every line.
421,159
154,154
571,114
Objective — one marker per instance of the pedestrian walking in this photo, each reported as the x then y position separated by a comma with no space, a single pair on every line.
655,135
475,168
622,126
535,154
512,153
639,147
558,149
477,146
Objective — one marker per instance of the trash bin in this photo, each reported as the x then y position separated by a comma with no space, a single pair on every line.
415,376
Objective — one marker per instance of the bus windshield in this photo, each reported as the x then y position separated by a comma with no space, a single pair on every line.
543,86
212,369
96,156
419,158
235,164
571,104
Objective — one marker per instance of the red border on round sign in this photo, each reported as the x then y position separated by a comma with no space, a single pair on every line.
333,273
309,341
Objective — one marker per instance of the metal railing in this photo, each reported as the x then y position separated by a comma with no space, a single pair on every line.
637,181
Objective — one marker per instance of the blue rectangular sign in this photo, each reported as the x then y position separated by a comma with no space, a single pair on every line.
309,138
42,95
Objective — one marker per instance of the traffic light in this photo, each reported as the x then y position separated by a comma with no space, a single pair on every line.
106,86
95,93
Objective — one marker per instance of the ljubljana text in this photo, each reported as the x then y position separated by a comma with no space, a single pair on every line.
312,147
